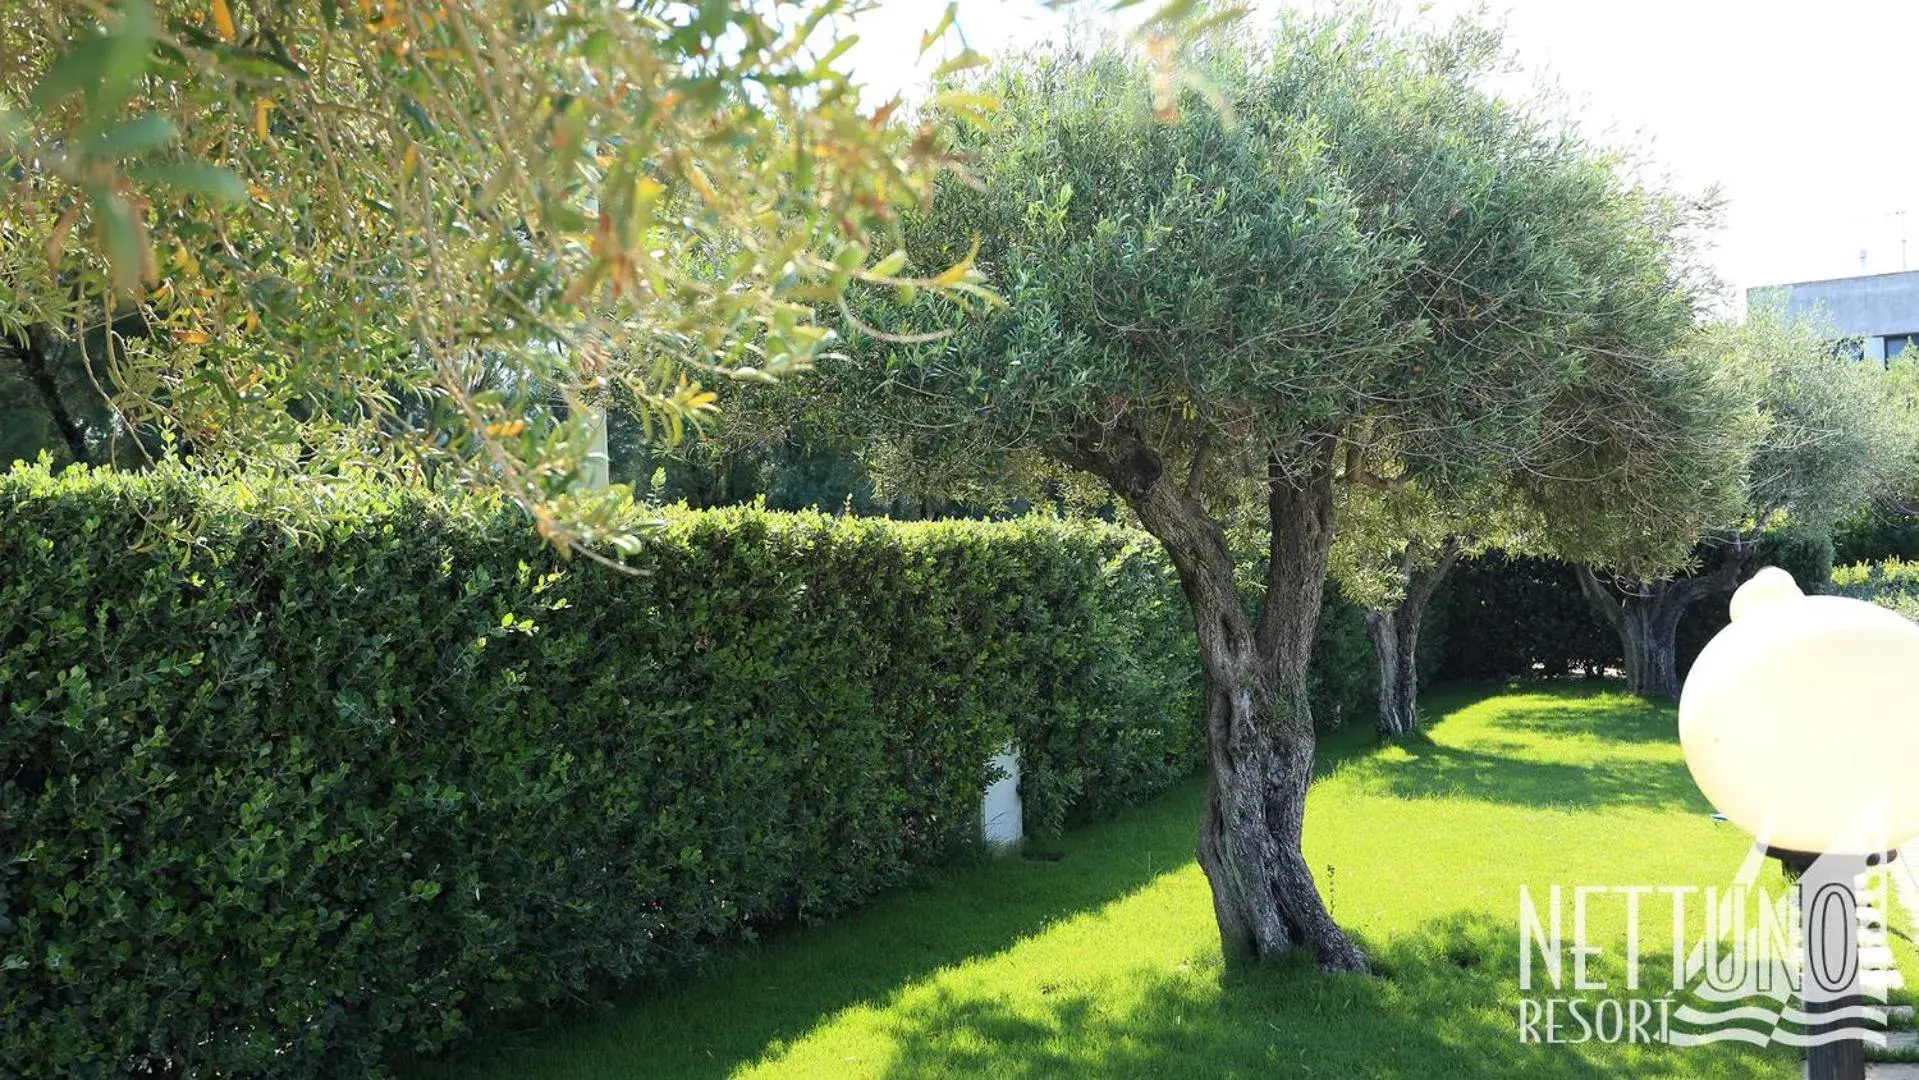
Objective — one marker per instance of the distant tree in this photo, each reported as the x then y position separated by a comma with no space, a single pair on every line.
788,472
1829,435
1393,624
1394,548
1343,264
1887,527
1398,544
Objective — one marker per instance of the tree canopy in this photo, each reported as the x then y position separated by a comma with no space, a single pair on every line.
1353,248
1824,436
338,233
1833,434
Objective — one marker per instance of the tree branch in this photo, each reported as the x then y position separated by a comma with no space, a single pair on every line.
1721,578
1194,541
1196,474
1409,562
1300,517
1421,583
1357,473
1601,598
1371,480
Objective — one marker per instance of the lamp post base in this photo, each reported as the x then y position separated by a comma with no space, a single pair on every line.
1842,1060
1829,976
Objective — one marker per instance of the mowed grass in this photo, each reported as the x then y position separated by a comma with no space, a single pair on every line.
1104,961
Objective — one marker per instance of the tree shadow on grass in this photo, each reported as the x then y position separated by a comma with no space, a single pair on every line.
1438,1009
1593,710
758,998
1447,1007
1435,771
1505,758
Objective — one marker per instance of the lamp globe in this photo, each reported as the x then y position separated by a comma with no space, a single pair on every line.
1800,720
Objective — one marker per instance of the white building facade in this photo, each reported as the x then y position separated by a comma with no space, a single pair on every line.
1879,311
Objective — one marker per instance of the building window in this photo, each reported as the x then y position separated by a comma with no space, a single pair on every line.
1851,350
1896,344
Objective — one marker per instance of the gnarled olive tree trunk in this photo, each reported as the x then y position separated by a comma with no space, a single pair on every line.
1394,632
1646,617
1258,720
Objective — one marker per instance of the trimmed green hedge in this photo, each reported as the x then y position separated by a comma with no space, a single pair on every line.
1516,616
1508,613
289,783
1874,534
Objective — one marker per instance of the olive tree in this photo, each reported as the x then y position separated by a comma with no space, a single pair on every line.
1830,434
1392,626
1394,548
1344,263
326,234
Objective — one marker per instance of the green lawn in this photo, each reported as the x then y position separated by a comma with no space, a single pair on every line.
1104,961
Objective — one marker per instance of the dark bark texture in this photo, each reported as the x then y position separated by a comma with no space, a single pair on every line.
1394,632
1259,723
1646,617
70,388
34,352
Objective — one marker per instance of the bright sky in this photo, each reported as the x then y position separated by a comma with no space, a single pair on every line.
1801,113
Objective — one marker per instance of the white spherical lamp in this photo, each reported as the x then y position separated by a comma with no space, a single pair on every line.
1800,720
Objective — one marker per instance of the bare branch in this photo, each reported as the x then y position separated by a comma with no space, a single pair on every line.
1196,474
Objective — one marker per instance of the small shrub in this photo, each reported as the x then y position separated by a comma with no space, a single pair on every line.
1893,584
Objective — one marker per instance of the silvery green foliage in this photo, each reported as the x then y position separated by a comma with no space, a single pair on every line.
1347,241
1833,435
